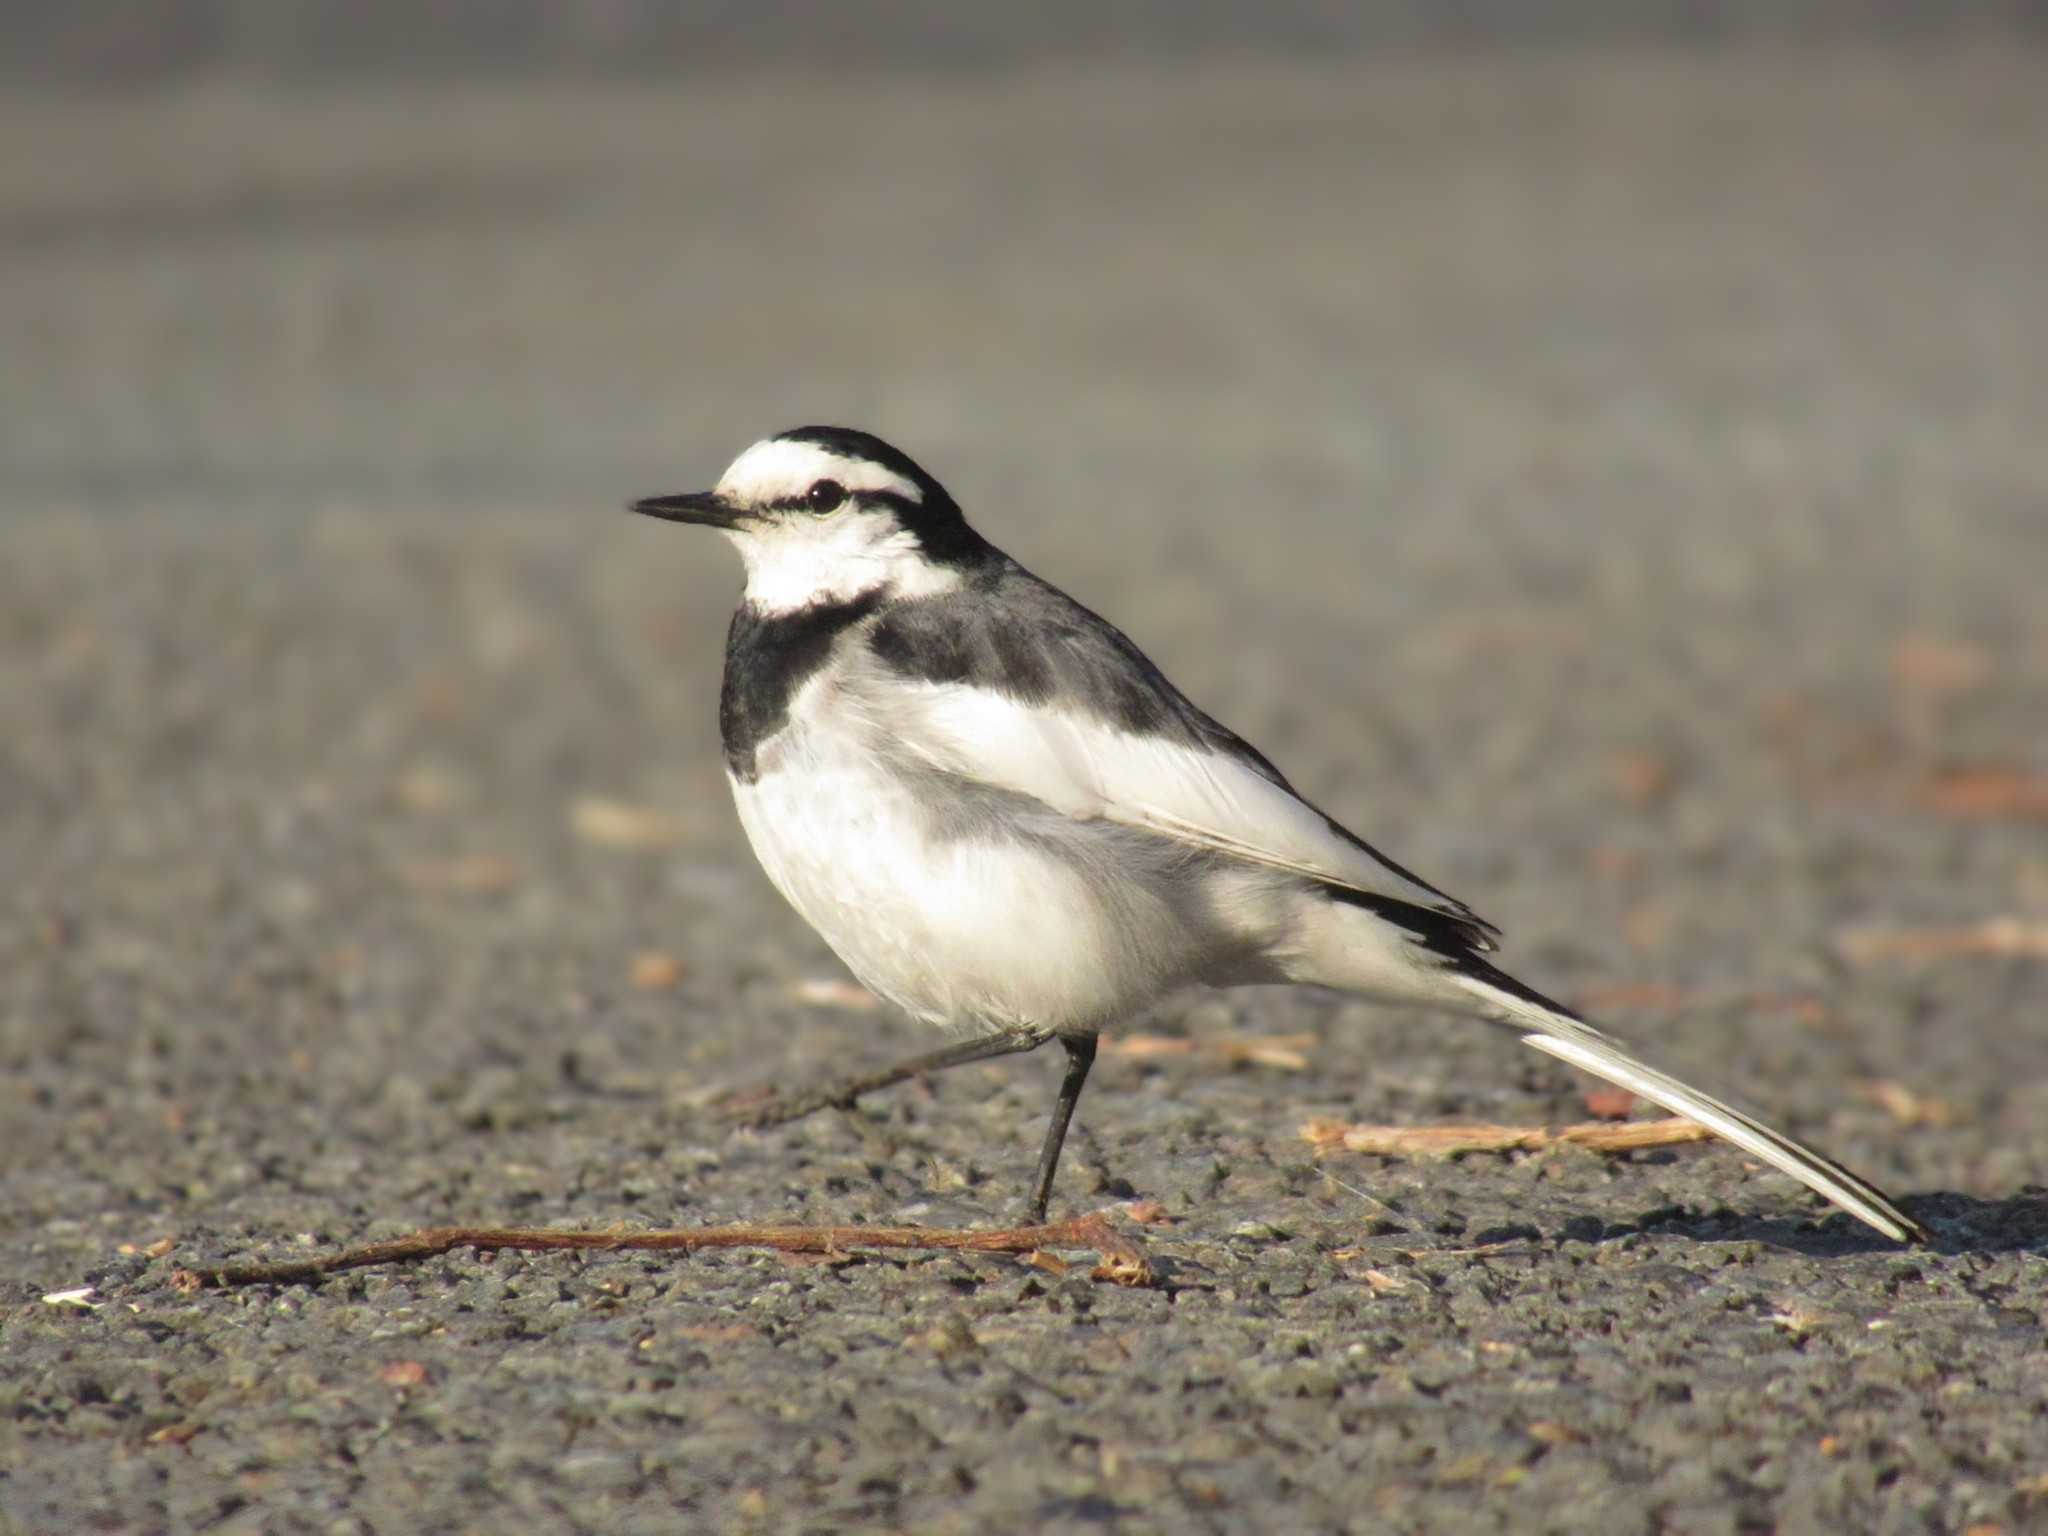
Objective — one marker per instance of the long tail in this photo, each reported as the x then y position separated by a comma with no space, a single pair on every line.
1555,1030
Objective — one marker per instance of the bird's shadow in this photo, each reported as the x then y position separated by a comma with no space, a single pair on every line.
1960,1224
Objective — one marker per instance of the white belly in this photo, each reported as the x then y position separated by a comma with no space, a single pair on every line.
967,929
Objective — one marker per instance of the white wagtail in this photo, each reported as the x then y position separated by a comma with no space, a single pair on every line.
1005,820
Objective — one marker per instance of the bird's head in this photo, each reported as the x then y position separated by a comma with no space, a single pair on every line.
826,514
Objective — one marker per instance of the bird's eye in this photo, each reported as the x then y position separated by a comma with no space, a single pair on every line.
826,496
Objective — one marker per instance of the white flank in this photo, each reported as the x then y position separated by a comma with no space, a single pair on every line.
960,931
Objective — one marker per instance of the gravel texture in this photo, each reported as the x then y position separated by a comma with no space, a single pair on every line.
1614,483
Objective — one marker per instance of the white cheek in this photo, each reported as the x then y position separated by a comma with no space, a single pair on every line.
831,559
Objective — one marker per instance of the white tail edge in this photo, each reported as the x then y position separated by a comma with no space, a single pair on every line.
1573,1040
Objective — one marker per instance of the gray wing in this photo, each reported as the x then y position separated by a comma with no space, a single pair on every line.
1056,703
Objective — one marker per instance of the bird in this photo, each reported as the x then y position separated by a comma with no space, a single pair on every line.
1008,823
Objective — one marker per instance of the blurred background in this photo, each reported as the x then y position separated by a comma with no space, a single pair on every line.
1596,449
305,255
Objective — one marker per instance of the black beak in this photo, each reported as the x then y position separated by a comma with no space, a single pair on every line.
706,507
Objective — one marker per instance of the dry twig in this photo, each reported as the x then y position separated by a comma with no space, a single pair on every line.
1993,936
1908,1107
1988,793
655,970
1287,1052
616,824
1451,1140
1122,1261
830,992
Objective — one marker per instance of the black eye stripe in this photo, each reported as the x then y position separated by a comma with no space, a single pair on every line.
808,501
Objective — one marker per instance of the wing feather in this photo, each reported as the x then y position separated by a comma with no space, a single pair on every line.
1202,794
1010,682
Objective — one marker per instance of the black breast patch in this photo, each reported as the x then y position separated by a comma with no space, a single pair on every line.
768,657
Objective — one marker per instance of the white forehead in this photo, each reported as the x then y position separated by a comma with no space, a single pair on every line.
777,468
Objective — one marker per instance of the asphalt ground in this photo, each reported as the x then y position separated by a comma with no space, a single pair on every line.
1611,482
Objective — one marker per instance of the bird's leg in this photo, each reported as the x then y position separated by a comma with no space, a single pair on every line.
841,1095
1080,1057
